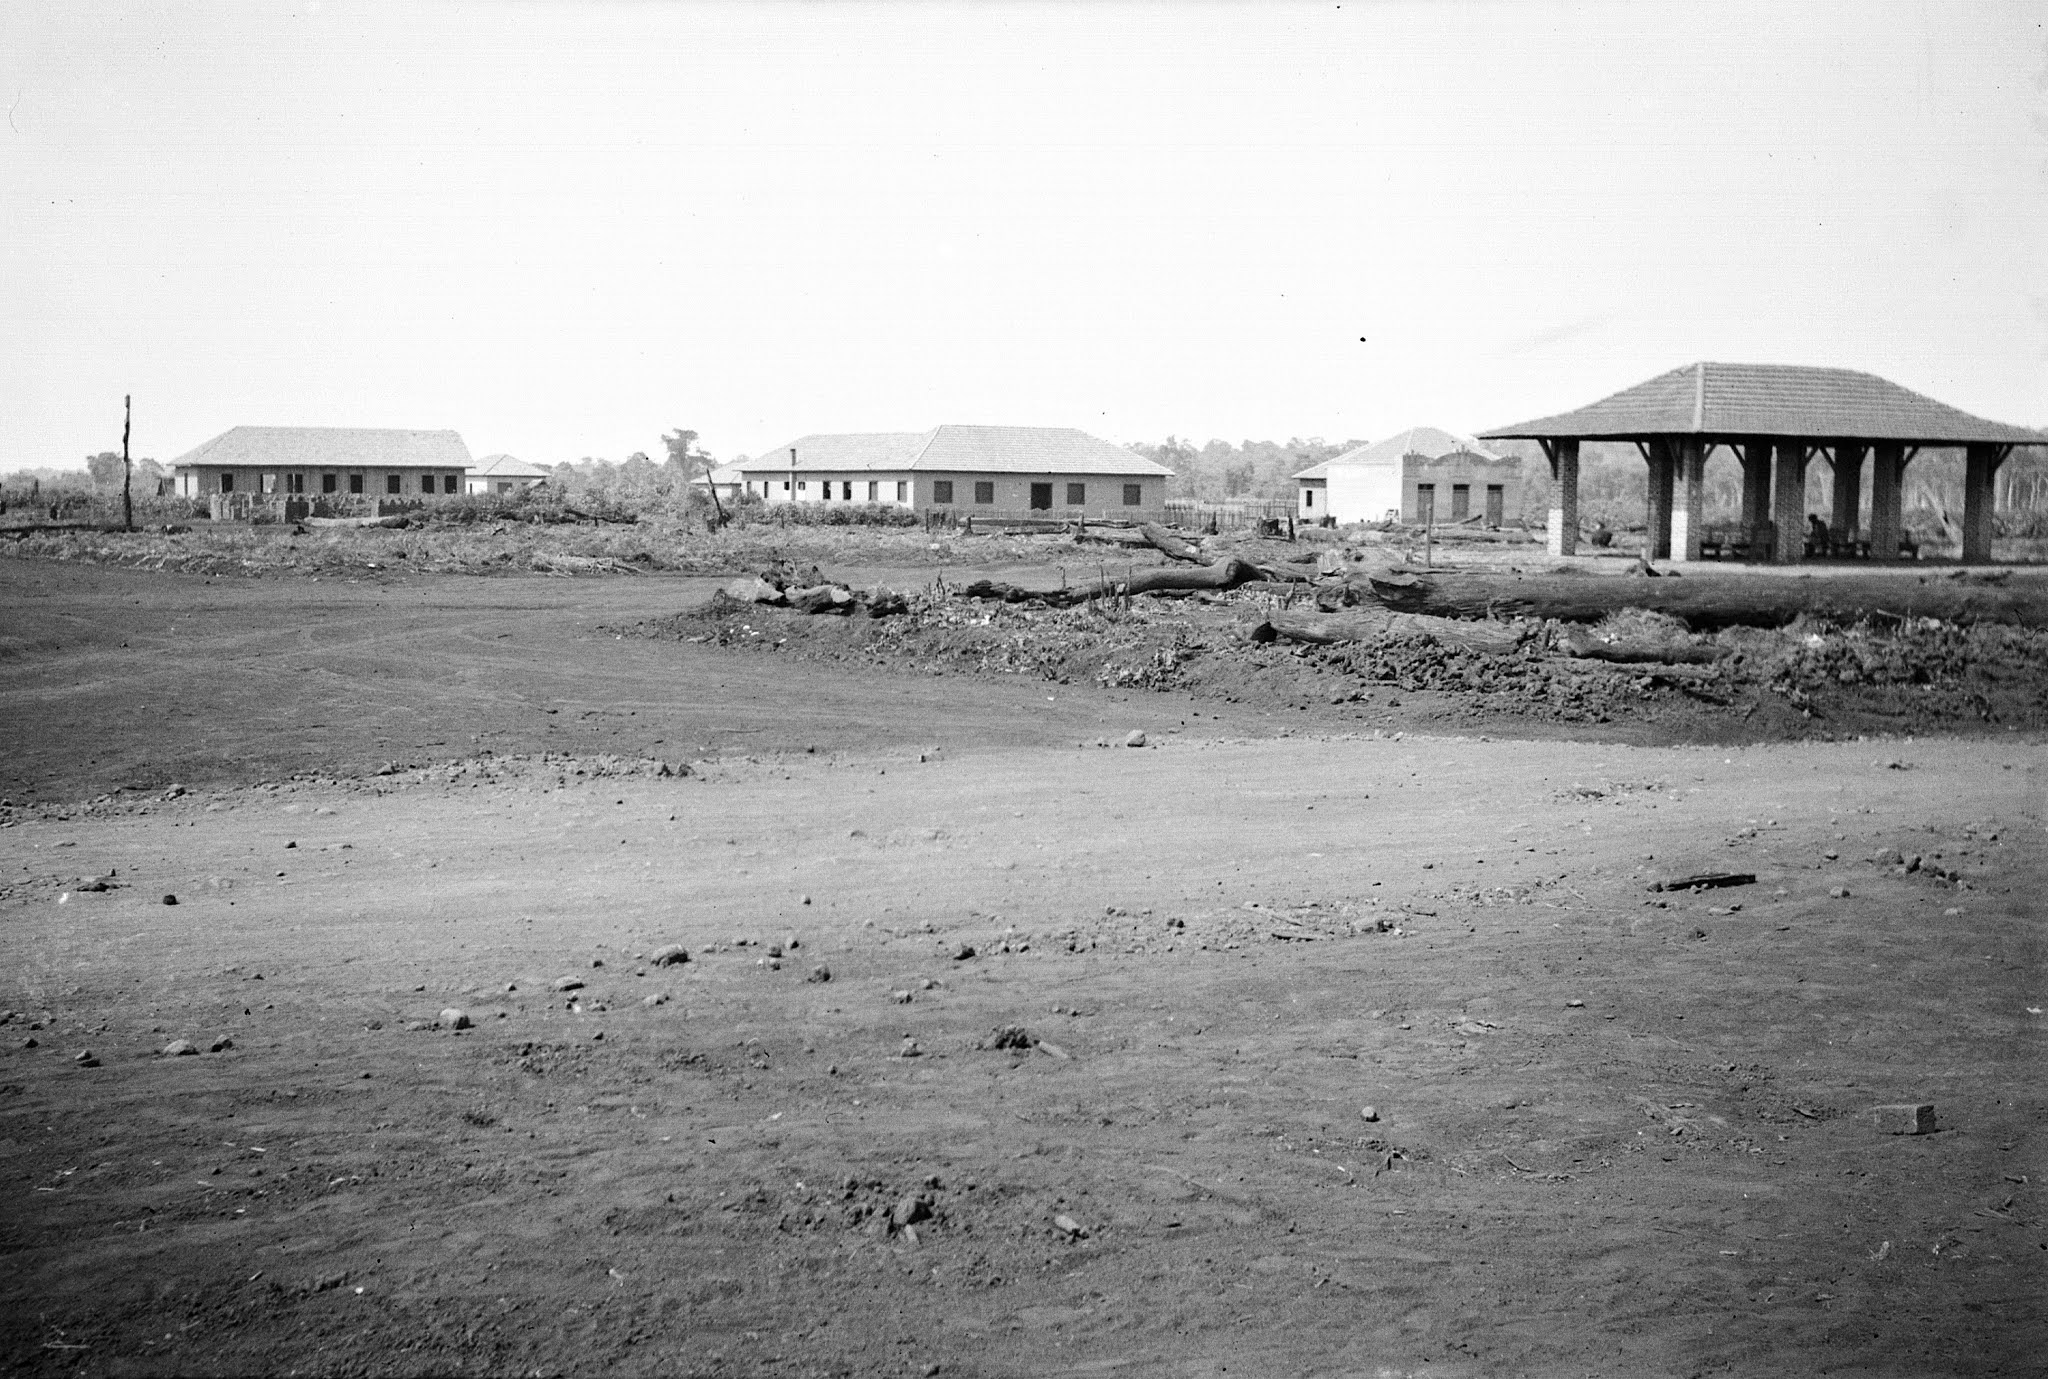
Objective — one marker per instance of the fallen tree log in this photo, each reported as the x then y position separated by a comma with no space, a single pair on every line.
1577,641
1709,602
1332,629
1171,546
582,565
395,520
1224,574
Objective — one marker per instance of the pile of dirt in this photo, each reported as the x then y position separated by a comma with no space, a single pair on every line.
1813,678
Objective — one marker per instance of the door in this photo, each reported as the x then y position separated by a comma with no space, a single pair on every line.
1496,504
1425,504
1041,497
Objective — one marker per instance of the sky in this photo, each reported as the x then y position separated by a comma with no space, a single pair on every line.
565,229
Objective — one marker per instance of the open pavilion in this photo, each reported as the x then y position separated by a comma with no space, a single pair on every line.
1776,418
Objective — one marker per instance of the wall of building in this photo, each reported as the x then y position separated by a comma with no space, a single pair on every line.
1312,499
1102,496
261,481
1445,476
1364,492
492,483
1094,496
831,486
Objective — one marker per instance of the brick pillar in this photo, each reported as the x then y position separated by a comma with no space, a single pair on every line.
1657,510
1848,488
1756,495
1788,506
1564,497
1887,500
1980,474
1689,498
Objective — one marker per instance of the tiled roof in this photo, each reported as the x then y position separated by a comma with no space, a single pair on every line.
1769,400
963,449
506,467
846,450
310,447
1429,442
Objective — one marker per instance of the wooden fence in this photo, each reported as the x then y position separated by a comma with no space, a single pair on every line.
1232,515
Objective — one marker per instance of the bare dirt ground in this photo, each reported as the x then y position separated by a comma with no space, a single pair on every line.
1618,1132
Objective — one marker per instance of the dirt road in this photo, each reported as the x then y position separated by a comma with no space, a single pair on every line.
1617,1132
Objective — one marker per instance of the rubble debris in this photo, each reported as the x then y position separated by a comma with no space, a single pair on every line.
669,955
1010,1037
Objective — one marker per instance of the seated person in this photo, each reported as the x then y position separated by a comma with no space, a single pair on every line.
1816,535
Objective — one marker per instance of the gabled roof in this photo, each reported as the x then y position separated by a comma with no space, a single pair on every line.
506,467
969,449
309,447
721,474
1427,442
1771,400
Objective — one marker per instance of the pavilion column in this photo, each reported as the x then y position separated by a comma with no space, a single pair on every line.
1564,496
1756,492
1689,499
1848,488
1980,474
1788,506
1887,500
1657,514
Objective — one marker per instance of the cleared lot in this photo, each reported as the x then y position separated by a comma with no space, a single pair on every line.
1618,1132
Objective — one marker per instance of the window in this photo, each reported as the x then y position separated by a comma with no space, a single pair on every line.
846,490
984,491
874,489
355,483
227,483
1308,498
902,490
942,490
1077,495
1134,495
329,482
294,483
391,484
785,485
504,485
451,483
799,484
1041,497
268,483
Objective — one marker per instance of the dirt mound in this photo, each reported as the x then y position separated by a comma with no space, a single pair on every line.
1810,679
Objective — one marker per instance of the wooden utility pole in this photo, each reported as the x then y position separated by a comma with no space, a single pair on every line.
712,484
127,500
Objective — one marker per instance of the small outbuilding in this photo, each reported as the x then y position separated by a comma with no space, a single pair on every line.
1052,472
504,474
1420,475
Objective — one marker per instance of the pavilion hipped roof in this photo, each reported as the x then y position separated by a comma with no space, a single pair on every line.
1770,401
